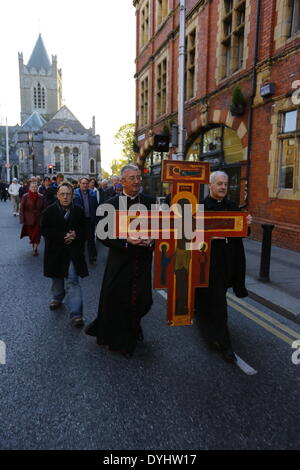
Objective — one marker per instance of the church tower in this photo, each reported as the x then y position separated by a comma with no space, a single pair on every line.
40,83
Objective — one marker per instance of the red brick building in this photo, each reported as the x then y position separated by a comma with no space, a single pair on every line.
232,46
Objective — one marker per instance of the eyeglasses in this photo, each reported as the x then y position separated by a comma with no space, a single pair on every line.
132,178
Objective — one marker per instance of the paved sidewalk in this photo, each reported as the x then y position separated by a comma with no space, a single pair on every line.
282,293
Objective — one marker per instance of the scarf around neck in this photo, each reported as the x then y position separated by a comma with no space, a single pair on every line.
33,196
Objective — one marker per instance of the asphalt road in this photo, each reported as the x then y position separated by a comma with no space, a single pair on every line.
60,391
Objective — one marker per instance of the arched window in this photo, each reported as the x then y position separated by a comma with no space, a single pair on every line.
218,145
43,98
92,166
57,153
76,162
39,97
223,149
67,165
35,97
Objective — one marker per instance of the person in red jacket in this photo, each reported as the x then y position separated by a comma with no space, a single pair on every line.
32,206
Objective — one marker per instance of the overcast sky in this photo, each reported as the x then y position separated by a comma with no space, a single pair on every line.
94,41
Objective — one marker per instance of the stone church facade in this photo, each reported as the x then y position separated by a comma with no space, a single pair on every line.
61,143
51,139
40,83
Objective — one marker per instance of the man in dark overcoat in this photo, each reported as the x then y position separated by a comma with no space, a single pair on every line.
87,199
111,191
3,192
126,293
227,269
63,227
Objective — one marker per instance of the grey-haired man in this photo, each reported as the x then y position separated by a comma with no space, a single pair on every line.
227,269
126,293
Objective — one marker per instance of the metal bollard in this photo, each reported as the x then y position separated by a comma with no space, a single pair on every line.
264,273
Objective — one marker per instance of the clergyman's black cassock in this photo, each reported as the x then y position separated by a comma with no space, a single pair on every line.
126,293
227,269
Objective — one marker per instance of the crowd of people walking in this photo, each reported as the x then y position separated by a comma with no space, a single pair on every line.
65,214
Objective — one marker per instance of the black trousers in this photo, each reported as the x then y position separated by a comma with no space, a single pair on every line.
211,302
90,237
211,313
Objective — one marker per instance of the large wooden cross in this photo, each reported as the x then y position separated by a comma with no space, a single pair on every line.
177,267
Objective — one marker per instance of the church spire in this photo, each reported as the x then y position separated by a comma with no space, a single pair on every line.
39,57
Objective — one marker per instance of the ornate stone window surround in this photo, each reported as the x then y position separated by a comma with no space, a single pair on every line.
161,74
145,14
162,11
192,26
220,50
282,33
39,95
144,99
277,136
93,166
62,150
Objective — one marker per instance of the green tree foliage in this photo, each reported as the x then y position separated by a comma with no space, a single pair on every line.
105,175
117,165
125,137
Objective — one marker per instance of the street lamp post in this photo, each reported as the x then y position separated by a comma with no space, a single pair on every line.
30,151
181,91
7,155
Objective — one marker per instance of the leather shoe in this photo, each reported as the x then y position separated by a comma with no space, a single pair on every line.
226,352
54,305
229,356
77,322
91,329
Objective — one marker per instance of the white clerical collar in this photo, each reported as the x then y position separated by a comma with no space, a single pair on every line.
217,200
130,197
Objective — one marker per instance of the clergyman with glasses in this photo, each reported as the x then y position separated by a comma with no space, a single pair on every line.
126,293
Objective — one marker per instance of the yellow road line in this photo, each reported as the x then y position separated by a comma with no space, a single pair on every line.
267,327
267,317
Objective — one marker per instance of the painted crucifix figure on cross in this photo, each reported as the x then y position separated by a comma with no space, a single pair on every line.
180,266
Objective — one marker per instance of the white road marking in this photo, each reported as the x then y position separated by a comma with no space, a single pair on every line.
163,294
240,363
244,366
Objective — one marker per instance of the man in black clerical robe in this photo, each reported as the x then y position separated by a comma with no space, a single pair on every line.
126,293
227,269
